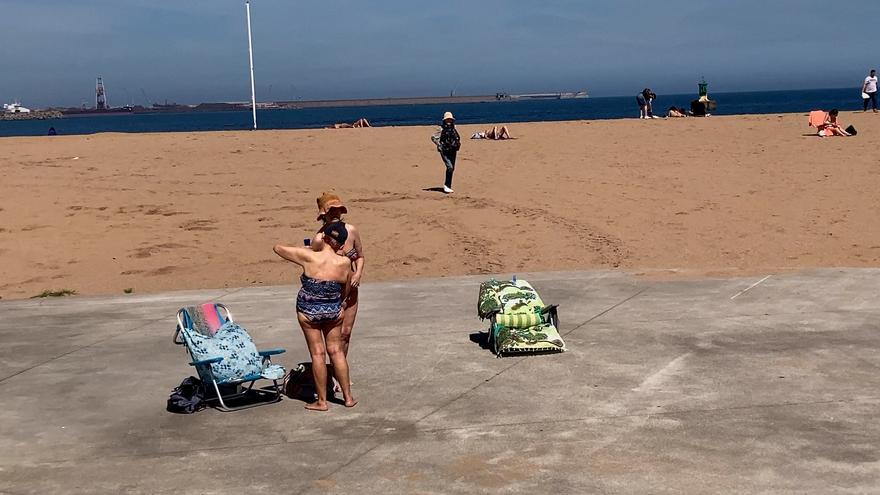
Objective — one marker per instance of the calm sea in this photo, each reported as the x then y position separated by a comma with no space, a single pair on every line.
762,102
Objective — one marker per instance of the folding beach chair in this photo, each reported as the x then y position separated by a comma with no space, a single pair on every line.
520,322
225,356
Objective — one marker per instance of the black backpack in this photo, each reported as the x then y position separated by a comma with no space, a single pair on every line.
188,397
449,139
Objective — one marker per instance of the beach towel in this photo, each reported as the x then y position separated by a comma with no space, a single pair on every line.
204,318
817,118
519,323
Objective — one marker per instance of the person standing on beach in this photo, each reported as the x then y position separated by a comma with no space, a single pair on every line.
330,210
320,303
448,143
870,89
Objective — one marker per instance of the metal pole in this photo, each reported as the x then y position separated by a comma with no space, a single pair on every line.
247,4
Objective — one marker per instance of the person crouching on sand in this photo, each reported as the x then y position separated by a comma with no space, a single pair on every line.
326,280
448,143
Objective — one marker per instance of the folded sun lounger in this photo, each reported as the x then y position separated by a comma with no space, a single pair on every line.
520,321
225,356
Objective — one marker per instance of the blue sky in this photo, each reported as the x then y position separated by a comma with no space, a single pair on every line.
189,51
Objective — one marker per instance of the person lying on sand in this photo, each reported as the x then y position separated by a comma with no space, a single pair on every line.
361,122
676,112
830,127
493,133
326,280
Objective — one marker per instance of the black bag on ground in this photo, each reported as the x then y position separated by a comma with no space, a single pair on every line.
188,397
851,131
299,383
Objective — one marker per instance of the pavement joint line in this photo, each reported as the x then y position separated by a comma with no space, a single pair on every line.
521,359
603,313
97,342
749,287
383,421
468,427
651,414
756,315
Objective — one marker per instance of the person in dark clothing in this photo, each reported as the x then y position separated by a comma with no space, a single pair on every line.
448,144
644,100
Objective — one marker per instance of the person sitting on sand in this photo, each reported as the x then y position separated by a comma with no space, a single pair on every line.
493,133
361,122
830,127
326,280
676,112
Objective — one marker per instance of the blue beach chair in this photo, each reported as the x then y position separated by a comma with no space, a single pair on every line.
225,356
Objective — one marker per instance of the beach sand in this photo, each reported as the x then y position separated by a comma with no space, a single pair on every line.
721,196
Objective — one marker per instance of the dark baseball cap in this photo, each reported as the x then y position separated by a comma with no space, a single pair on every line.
336,231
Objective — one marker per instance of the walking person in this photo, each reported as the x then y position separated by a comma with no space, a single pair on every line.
869,90
448,143
326,280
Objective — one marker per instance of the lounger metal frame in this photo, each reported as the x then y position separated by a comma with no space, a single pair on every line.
204,370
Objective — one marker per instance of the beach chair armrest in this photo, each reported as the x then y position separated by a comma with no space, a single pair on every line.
271,352
206,361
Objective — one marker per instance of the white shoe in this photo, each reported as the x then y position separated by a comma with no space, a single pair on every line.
448,190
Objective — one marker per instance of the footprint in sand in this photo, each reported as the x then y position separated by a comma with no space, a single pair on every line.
147,251
204,225
165,270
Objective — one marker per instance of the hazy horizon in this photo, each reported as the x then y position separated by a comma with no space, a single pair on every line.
194,52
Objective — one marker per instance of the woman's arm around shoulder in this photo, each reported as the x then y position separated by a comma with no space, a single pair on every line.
298,255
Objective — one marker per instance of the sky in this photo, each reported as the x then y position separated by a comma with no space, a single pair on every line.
191,51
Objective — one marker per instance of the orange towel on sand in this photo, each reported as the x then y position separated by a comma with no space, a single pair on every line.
817,118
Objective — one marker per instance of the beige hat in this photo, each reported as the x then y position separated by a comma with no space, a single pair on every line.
448,116
327,201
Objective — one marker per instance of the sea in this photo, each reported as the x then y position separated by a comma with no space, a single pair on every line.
496,112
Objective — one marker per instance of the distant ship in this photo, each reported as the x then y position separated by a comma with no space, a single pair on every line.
101,104
567,95
98,111
15,108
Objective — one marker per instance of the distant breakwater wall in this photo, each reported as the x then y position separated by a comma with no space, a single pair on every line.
37,115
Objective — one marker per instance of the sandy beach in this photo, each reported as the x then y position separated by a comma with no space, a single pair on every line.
719,196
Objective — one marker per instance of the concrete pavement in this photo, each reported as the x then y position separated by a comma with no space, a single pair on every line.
668,387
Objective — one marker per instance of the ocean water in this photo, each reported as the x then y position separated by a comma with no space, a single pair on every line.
762,102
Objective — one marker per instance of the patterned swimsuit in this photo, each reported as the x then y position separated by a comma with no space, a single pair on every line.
320,301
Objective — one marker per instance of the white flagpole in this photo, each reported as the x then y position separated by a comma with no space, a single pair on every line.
247,4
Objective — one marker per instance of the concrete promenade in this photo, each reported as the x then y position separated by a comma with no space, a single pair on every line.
707,386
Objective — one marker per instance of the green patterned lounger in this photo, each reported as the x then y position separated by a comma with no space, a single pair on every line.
520,321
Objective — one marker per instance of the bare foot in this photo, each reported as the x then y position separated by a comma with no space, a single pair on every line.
317,406
350,403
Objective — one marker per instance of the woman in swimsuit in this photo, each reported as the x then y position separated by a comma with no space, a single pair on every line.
326,280
331,209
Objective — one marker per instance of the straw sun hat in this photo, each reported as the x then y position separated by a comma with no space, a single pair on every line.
448,116
327,201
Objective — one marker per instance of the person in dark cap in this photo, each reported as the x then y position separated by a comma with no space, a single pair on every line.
331,209
326,279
